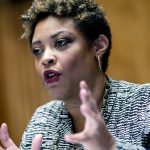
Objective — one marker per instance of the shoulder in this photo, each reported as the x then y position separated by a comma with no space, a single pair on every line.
136,99
128,89
50,106
124,93
45,121
44,116
128,85
48,110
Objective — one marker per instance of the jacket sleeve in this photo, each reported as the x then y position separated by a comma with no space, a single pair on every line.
122,145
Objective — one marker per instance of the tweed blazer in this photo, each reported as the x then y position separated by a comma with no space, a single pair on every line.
125,110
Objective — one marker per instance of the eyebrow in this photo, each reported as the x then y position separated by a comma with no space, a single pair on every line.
58,33
52,36
36,42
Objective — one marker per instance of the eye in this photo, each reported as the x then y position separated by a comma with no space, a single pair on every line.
37,51
61,42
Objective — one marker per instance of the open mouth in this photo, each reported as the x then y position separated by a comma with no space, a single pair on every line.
51,76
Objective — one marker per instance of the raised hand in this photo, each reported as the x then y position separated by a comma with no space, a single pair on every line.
5,140
8,144
95,135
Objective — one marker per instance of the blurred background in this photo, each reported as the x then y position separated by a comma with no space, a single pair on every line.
21,91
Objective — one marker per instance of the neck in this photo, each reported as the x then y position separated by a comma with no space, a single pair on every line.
73,105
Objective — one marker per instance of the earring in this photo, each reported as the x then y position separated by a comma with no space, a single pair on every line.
99,63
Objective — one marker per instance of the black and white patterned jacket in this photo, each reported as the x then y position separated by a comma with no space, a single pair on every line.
126,111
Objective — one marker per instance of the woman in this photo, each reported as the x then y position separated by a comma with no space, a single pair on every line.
71,42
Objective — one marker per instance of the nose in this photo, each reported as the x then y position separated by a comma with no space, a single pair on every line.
48,61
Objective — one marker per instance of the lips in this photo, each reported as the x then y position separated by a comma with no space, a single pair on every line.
51,76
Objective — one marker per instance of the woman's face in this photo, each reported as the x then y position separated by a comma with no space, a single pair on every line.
63,57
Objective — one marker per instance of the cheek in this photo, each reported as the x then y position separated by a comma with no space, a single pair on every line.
71,61
80,66
74,64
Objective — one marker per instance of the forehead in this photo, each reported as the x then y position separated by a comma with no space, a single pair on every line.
51,25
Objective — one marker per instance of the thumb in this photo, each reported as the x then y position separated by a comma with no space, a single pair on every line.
37,142
6,141
75,138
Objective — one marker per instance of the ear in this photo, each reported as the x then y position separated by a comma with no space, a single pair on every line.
101,44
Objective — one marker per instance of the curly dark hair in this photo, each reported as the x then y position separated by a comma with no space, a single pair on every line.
87,15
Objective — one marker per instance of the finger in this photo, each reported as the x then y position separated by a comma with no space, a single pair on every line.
88,107
75,138
84,87
37,142
88,100
1,148
83,84
91,118
4,137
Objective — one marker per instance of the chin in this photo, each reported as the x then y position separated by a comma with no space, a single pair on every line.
59,92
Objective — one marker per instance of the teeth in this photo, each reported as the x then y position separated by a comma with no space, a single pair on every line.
50,75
